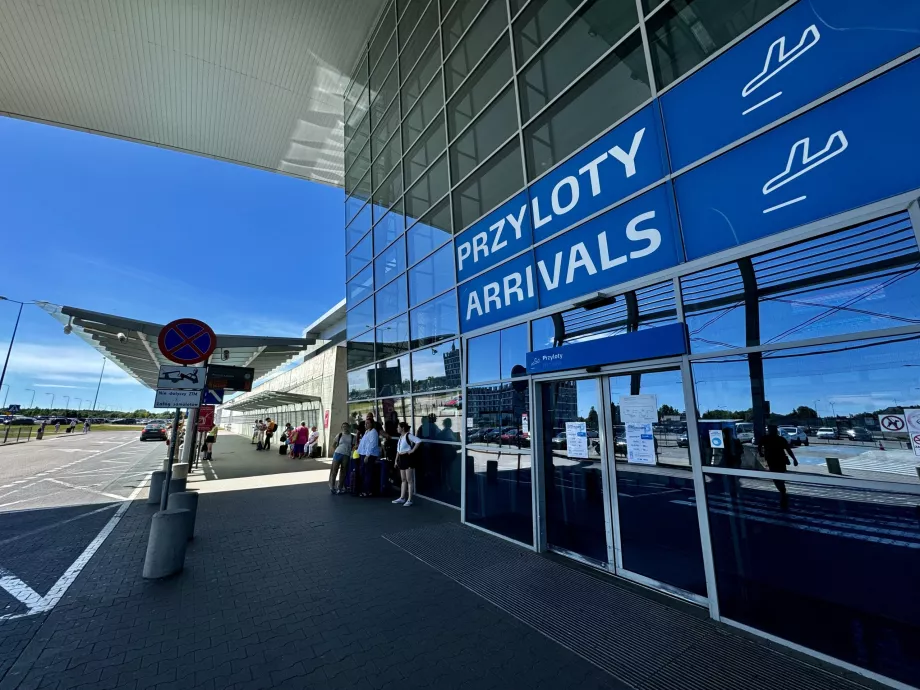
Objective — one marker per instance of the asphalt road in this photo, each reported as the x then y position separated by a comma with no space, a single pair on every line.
56,497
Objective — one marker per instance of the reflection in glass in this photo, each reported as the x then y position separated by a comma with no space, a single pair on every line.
358,227
836,570
514,351
825,400
389,228
360,350
573,477
380,71
430,188
686,32
612,89
386,161
422,154
483,362
390,190
484,136
382,99
359,318
498,494
390,263
421,75
430,232
357,413
487,27
361,383
392,412
434,320
497,415
421,35
360,286
393,377
381,39
458,20
670,433
437,473
359,167
424,112
431,276
496,180
383,133
359,257
392,299
486,81
393,337
438,417
436,368
543,333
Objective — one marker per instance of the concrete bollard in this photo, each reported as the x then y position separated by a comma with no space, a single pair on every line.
177,484
166,543
156,486
180,470
186,500
833,466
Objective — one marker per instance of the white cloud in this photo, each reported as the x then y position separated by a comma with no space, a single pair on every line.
63,364
58,385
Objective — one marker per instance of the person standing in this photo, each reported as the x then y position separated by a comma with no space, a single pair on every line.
300,440
57,427
86,427
774,448
408,443
270,427
256,431
344,444
73,425
369,452
209,442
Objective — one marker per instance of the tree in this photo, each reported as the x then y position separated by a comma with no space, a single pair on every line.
667,410
593,421
804,412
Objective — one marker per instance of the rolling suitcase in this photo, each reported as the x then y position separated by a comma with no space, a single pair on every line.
282,449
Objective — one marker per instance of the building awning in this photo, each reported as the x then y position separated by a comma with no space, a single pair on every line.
267,400
138,355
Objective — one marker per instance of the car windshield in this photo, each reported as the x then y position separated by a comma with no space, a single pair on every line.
825,430
787,430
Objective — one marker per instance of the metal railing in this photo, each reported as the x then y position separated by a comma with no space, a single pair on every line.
13,434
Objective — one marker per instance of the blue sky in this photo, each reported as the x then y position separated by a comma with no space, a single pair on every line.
148,233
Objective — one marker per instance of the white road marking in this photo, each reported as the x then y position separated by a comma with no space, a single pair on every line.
86,488
50,600
19,589
57,524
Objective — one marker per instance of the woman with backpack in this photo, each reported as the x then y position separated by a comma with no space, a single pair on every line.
344,444
408,443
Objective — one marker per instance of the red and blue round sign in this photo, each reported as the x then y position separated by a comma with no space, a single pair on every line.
187,341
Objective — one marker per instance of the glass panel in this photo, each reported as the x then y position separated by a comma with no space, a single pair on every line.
686,32
409,19
649,5
429,146
357,413
390,263
392,299
588,35
862,278
360,256
359,226
434,320
379,73
437,473
438,416
484,406
352,206
497,180
360,350
393,376
356,112
384,32
414,47
483,358
485,135
855,559
825,403
574,478
498,499
385,129
421,75
493,73
393,337
431,187
360,286
361,383
389,157
392,412
474,45
358,140
391,226
436,368
357,88
384,97
608,92
458,20
516,6
360,194
360,318
543,333
514,351
389,190
430,232
426,110
431,276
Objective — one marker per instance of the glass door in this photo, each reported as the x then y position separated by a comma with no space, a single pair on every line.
656,524
574,477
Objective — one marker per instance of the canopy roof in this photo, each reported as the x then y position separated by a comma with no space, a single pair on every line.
267,400
139,356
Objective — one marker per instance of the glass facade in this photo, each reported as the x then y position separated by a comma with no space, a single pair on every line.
797,349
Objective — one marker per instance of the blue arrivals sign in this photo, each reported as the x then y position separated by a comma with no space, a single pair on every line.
502,293
663,341
808,51
629,241
502,233
856,149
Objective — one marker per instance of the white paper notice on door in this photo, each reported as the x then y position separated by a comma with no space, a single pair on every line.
576,439
639,409
640,444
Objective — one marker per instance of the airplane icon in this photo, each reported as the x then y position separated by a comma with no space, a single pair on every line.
801,160
777,60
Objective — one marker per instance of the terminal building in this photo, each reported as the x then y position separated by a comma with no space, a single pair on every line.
595,250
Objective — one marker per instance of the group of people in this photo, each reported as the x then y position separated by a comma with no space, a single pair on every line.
57,427
366,455
300,442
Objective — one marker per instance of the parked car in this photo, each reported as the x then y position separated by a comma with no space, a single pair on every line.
25,421
827,433
858,433
683,441
795,435
515,437
153,432
744,432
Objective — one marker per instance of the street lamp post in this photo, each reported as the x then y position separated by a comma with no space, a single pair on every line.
99,385
15,328
66,409
51,409
7,393
79,404
32,401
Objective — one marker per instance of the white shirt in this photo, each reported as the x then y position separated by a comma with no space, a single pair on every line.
404,446
370,443
314,436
